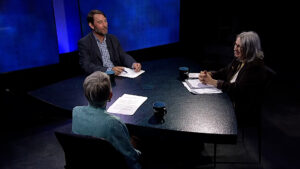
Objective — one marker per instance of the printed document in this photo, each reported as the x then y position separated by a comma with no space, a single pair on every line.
127,104
130,73
196,87
194,75
196,84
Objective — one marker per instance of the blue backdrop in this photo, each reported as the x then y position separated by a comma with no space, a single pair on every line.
137,23
30,35
67,24
27,34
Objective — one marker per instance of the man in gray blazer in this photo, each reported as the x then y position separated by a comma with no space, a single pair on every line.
100,51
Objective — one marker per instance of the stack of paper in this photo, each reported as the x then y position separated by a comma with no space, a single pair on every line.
193,75
196,87
127,104
196,84
130,73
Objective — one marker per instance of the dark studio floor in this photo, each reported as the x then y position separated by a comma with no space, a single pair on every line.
28,141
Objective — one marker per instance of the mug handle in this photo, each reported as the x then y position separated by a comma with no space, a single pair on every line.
165,111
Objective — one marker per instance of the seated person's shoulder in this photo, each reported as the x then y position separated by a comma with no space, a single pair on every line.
79,109
257,64
114,121
112,37
85,38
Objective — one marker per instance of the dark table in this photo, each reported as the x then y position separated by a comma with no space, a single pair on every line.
210,116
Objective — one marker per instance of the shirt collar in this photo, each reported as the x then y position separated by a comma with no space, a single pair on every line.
91,106
98,39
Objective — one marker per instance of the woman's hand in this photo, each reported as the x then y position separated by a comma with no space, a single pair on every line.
205,78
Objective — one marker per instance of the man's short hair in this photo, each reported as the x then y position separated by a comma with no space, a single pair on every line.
90,17
97,88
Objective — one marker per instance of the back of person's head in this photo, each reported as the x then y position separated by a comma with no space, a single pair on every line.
97,89
251,47
90,17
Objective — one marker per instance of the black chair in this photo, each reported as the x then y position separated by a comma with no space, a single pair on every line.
269,76
86,152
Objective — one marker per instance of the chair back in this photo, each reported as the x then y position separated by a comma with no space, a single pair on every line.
249,110
89,152
269,76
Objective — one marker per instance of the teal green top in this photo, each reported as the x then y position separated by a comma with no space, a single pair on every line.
92,121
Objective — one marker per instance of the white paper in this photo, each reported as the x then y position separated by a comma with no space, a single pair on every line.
210,90
127,104
130,73
196,84
194,75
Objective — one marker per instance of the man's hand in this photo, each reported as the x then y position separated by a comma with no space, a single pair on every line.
137,67
118,69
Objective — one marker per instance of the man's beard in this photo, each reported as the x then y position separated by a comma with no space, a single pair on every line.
99,32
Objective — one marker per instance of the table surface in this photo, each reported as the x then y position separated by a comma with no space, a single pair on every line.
209,115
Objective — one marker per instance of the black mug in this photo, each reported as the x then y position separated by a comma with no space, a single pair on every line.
159,109
183,73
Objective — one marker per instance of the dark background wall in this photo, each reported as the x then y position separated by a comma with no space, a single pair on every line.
212,27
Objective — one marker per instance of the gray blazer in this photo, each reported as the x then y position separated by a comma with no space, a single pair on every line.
90,58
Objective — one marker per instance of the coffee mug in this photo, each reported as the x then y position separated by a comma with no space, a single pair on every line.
183,72
111,75
159,109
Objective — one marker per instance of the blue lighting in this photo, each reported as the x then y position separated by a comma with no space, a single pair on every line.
27,34
137,24
33,33
67,24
